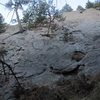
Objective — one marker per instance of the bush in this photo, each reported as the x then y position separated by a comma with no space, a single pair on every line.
36,14
89,4
31,25
40,20
67,35
60,17
1,24
66,8
39,93
79,8
75,88
95,95
2,52
95,4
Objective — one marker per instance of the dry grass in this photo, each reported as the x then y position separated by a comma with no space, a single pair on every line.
95,94
74,89
39,93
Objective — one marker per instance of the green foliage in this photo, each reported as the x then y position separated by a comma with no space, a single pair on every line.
93,4
38,22
40,19
34,15
97,4
66,34
60,17
38,12
80,8
66,8
9,4
15,5
89,4
27,17
31,25
2,26
2,52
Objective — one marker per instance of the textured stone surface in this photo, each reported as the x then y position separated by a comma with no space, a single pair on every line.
32,55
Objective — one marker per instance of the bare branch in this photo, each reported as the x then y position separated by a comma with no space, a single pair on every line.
2,4
10,68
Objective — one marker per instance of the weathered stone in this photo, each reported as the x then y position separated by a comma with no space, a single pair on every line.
91,62
78,55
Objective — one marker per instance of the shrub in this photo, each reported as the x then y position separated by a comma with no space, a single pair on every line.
67,35
95,4
40,20
39,93
66,8
79,8
75,88
31,25
96,94
40,13
2,26
2,52
89,4
35,14
60,17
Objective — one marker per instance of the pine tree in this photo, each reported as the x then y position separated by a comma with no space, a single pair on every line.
15,5
66,8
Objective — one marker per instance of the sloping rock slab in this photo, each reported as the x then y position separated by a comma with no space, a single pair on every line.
91,62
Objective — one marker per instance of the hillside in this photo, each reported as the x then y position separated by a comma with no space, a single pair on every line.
43,61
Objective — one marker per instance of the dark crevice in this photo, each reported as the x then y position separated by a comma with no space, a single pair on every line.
14,34
74,71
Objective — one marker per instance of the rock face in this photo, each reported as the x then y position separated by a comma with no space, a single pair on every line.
78,55
44,60
92,61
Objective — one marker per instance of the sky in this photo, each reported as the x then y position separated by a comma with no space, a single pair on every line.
60,3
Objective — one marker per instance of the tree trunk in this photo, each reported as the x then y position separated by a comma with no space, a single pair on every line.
19,22
50,19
